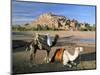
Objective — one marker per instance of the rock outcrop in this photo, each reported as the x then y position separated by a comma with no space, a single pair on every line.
54,21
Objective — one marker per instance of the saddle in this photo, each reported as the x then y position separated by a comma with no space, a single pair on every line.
59,54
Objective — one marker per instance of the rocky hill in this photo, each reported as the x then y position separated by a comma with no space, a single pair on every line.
51,20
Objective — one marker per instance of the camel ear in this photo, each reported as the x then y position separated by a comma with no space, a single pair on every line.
81,49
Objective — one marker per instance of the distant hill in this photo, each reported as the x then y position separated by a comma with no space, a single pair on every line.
54,21
50,21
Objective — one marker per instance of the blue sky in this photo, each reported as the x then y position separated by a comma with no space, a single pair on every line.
26,12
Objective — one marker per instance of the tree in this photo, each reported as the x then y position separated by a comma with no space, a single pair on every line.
26,24
39,27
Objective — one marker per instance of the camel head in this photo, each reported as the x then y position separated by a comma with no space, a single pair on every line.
79,49
55,40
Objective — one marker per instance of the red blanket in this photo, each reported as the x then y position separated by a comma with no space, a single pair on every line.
59,55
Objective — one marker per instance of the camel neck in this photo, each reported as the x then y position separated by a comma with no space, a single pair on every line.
49,40
76,53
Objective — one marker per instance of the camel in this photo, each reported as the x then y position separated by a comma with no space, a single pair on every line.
41,42
63,56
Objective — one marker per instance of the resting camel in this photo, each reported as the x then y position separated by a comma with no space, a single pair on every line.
41,42
63,56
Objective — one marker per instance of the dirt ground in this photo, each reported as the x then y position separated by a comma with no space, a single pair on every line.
86,60
81,34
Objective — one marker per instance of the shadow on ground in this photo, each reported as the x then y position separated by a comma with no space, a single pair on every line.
17,44
21,67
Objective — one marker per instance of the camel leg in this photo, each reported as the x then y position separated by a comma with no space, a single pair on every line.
66,64
26,49
73,63
32,54
69,65
32,58
46,59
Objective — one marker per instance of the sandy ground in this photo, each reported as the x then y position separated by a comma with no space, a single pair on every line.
87,59
80,34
